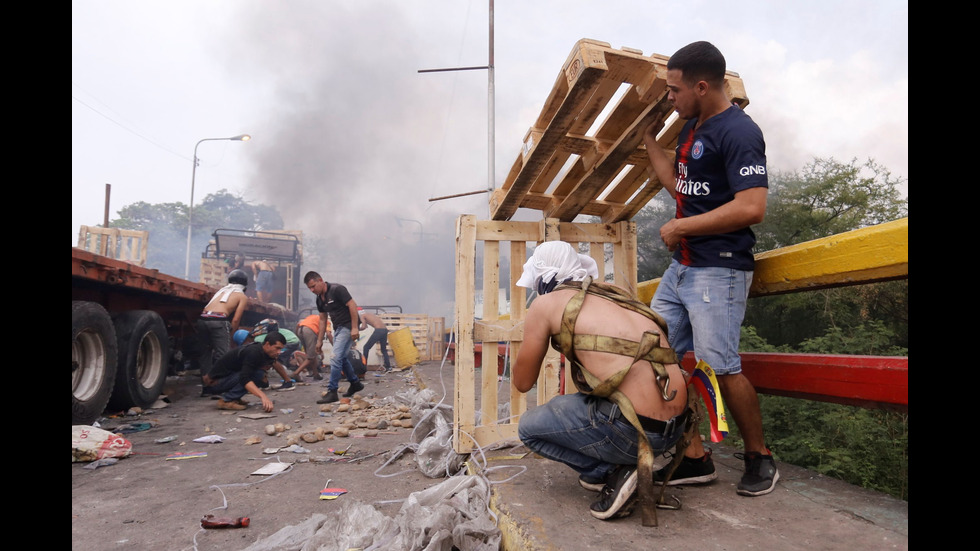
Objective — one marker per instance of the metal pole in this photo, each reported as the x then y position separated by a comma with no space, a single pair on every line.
190,206
490,108
105,211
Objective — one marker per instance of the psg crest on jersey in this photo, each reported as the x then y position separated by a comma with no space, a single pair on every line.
697,150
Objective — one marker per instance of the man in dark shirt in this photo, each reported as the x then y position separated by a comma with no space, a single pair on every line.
334,300
718,178
241,370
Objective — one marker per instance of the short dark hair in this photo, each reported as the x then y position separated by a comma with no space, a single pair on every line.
275,337
699,61
310,276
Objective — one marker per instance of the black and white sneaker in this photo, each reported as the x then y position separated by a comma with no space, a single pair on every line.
591,484
690,471
760,475
617,498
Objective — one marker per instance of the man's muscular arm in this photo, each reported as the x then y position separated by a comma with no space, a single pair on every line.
321,331
747,208
534,347
662,165
354,318
236,320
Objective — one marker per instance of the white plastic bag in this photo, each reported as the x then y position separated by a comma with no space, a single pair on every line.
90,443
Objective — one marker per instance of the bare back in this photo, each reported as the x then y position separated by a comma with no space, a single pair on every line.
603,317
373,320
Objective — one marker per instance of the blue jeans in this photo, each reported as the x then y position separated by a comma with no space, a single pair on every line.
378,336
572,430
231,387
340,361
704,309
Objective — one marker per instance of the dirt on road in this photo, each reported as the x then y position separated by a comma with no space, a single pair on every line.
148,502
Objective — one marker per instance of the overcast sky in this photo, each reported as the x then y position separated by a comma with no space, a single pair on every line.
346,134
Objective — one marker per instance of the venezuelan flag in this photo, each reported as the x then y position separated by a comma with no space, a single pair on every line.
704,380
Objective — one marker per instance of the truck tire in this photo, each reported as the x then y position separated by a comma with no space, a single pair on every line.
144,350
93,361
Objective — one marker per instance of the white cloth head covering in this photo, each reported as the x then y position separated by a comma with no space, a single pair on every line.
556,260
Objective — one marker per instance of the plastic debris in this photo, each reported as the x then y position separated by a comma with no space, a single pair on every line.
211,521
271,468
134,427
210,439
332,493
295,448
185,455
89,443
450,515
105,462
166,439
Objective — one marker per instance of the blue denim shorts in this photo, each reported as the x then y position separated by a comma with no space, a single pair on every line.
704,309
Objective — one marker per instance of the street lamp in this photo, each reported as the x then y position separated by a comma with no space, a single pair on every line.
190,207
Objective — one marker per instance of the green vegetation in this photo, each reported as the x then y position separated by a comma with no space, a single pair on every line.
167,224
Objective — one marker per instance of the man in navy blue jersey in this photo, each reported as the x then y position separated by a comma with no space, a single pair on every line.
718,178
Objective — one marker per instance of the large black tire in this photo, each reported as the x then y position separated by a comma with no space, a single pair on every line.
144,353
93,361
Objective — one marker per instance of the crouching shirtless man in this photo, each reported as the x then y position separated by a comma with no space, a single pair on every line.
622,365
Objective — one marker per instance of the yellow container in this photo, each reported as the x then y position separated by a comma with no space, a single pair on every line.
402,344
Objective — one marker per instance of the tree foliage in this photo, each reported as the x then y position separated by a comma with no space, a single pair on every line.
828,197
167,224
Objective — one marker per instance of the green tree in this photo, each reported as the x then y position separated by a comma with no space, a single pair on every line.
828,197
652,257
167,224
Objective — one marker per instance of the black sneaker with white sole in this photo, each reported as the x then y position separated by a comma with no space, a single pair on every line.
591,484
760,475
617,498
690,471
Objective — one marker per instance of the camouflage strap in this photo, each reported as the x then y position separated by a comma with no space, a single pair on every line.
647,349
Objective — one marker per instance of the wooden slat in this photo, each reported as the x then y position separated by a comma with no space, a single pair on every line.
464,403
507,231
498,330
611,164
583,74
518,309
491,307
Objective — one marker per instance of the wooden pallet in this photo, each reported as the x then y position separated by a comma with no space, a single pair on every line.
609,176
126,245
427,332
612,246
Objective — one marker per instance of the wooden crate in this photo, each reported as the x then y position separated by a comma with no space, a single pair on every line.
126,245
609,176
427,332
497,236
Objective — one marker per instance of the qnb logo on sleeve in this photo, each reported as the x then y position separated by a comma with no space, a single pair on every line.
750,170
